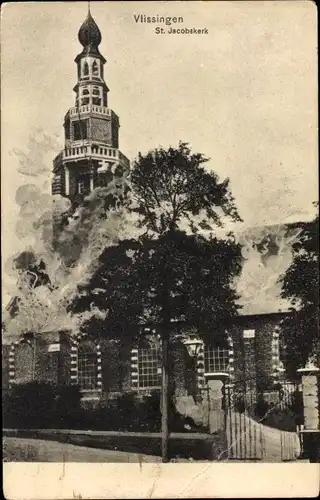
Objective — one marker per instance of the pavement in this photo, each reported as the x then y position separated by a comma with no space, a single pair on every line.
39,450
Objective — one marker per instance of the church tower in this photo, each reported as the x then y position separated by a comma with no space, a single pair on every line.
91,155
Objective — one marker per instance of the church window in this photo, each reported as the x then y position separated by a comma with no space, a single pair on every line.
149,365
86,69
95,69
85,91
84,101
96,91
80,130
96,101
216,359
87,366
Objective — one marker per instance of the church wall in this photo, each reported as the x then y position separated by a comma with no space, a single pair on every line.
47,366
72,181
115,131
111,367
24,363
261,367
5,366
116,365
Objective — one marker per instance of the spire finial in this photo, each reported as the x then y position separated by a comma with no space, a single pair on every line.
89,33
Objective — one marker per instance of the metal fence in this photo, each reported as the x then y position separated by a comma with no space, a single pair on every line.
262,426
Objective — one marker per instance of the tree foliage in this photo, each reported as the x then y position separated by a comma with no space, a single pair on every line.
301,286
177,270
173,185
129,283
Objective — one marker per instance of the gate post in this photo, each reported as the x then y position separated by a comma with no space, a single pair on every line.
216,382
310,376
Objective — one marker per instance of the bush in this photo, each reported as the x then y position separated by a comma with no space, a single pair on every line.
41,405
30,405
68,408
129,412
262,407
151,413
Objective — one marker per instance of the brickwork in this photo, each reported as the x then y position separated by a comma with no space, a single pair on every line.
5,366
264,345
117,363
24,362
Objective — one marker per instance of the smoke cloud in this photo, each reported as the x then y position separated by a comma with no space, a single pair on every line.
66,261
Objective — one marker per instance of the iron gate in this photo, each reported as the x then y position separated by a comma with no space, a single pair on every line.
262,427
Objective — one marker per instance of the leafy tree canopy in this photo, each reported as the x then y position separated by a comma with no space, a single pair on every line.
301,287
177,270
173,186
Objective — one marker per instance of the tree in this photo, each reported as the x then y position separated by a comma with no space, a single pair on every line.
172,188
301,286
177,271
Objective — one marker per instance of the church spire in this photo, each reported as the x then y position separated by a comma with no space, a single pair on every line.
89,35
91,155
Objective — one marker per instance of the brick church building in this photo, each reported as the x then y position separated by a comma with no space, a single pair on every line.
106,368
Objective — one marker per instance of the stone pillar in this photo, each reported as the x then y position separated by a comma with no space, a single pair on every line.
215,382
250,372
67,181
91,176
310,376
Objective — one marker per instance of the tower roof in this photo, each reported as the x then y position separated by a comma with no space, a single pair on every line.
89,35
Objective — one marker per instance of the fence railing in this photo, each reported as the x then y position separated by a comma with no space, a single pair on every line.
259,427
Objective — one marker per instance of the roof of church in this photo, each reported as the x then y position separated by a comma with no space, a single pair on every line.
89,35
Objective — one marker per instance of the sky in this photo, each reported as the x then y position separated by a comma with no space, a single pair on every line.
245,94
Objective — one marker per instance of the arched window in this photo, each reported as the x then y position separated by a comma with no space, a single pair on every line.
216,359
95,68
149,365
87,366
86,69
85,91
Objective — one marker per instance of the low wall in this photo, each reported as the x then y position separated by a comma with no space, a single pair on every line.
195,446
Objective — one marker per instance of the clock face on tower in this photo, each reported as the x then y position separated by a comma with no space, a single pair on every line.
101,130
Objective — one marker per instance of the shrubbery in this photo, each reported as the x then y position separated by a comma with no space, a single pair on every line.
281,415
39,405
